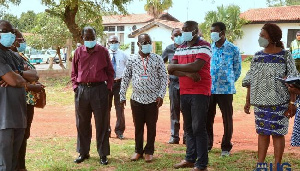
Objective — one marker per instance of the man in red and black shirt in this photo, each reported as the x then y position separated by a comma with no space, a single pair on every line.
92,79
191,63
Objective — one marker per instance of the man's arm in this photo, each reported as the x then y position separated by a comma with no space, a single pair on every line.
165,55
237,66
110,72
190,67
13,79
30,75
193,75
127,75
74,72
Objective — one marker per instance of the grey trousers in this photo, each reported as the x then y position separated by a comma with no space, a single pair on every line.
115,94
10,144
90,100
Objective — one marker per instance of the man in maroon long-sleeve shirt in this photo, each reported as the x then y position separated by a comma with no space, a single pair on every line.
92,79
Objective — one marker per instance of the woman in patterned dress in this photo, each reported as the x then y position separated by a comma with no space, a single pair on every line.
268,95
295,141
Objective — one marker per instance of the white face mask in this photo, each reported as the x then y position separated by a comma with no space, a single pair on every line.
263,42
215,36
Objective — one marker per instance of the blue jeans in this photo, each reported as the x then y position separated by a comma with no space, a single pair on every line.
194,109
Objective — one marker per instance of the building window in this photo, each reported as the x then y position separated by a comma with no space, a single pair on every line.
291,36
132,47
109,28
120,28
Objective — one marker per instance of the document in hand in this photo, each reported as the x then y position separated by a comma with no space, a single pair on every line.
295,81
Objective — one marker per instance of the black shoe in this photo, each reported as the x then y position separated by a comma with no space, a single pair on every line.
81,158
172,141
121,136
103,160
183,142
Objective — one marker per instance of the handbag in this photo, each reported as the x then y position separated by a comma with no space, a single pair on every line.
40,99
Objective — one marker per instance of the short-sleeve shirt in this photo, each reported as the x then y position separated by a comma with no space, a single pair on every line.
12,99
184,55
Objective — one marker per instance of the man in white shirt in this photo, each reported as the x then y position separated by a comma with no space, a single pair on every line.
118,60
148,74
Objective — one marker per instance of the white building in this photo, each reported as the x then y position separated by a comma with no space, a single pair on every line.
286,17
128,27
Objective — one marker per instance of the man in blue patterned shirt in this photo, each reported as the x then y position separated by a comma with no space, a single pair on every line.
225,71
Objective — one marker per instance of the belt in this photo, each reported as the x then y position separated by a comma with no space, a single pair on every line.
92,84
117,81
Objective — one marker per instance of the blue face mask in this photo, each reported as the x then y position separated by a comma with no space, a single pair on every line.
7,39
90,44
146,48
187,36
178,40
114,47
215,36
22,47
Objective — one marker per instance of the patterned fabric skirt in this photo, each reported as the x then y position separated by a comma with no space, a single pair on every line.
270,120
296,130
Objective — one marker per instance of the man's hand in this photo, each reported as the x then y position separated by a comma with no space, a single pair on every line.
123,104
171,68
159,102
3,84
194,76
293,89
247,107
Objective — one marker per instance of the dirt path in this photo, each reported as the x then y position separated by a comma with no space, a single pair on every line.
59,121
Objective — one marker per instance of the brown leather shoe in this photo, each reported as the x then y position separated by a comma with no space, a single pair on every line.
136,156
148,158
197,169
184,164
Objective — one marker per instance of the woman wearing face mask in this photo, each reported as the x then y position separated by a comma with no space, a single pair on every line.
273,105
19,46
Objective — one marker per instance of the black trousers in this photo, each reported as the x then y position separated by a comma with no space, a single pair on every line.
174,96
22,152
90,100
144,114
115,94
224,102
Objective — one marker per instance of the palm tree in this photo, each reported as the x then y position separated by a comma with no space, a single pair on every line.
157,7
230,16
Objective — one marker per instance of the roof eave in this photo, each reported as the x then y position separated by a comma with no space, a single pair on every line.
273,21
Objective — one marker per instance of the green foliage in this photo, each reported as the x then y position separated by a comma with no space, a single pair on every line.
230,16
276,3
156,7
6,3
13,19
125,46
27,21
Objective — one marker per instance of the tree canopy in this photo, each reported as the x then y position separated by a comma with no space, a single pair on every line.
272,3
157,7
230,16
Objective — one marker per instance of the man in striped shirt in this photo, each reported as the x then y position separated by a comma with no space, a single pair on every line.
191,63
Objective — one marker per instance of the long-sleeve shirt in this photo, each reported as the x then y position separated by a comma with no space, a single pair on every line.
94,67
225,68
121,60
168,55
295,49
145,91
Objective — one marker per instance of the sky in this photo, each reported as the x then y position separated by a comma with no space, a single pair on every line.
182,9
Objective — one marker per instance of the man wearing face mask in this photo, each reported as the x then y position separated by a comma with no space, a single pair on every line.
174,94
225,71
12,98
92,78
118,60
191,63
149,82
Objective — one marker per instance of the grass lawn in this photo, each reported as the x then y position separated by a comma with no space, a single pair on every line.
57,153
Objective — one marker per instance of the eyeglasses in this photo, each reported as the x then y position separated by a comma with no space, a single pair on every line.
113,42
145,43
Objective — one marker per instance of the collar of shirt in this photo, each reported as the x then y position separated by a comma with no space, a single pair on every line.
96,48
213,45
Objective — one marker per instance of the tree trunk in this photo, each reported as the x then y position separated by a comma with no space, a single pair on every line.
59,57
69,18
51,63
